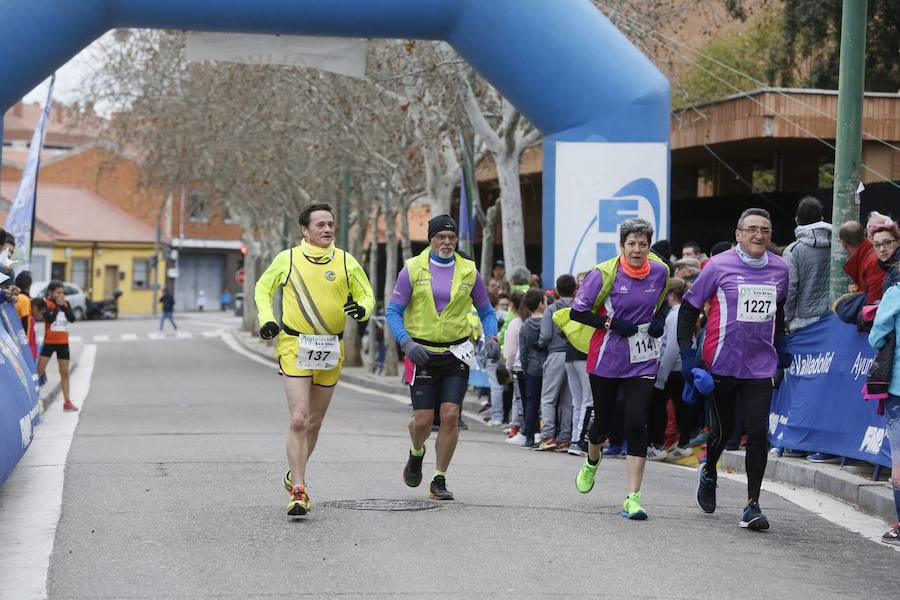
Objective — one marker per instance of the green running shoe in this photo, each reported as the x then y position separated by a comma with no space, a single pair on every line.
286,480
584,482
631,508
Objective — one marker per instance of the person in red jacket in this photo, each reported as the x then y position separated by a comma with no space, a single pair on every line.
862,266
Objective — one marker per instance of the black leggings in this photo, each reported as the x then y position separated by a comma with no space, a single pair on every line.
756,395
636,404
685,414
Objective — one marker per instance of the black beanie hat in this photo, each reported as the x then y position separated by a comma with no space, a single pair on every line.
441,223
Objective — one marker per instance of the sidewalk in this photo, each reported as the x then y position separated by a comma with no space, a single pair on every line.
849,484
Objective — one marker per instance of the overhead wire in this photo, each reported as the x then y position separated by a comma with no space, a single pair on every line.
750,97
749,77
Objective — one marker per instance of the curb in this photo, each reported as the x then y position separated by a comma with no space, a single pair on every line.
872,497
354,375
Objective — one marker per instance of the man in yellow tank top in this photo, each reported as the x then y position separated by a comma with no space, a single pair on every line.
321,286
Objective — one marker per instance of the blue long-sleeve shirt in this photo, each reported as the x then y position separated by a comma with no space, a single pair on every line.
887,320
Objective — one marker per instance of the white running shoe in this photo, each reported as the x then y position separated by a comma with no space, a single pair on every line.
517,439
654,453
496,423
681,452
575,450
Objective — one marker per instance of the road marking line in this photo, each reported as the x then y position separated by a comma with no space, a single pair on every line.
129,337
34,492
831,509
184,335
75,338
101,338
213,333
156,335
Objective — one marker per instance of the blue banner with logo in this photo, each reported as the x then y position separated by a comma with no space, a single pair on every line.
819,405
19,409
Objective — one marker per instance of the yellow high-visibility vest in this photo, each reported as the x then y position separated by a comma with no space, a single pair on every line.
423,323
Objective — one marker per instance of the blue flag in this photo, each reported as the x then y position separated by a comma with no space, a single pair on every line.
466,226
20,220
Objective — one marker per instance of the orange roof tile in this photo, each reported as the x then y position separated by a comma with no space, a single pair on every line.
80,215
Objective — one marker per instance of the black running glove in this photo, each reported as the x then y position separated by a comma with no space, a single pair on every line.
354,310
623,327
269,330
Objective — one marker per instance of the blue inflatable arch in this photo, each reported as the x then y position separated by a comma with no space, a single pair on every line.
561,62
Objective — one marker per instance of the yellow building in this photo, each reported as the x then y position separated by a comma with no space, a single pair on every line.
95,245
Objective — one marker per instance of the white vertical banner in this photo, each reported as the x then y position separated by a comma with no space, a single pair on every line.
599,185
20,219
344,56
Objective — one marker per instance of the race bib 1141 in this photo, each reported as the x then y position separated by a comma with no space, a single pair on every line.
641,346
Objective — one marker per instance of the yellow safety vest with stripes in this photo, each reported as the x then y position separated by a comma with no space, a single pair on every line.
313,291
421,318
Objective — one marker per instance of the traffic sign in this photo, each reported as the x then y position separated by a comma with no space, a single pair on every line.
239,277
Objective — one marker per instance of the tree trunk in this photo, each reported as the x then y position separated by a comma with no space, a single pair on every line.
513,227
373,276
249,318
405,243
487,241
390,278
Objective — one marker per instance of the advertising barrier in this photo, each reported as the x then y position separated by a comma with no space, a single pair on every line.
819,405
19,409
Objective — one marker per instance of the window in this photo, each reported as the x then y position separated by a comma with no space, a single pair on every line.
58,271
763,178
826,173
198,211
80,272
140,274
39,267
705,183
226,215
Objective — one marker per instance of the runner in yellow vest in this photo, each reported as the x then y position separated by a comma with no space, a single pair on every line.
321,286
429,316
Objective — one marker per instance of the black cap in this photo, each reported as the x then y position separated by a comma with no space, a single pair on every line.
441,223
499,263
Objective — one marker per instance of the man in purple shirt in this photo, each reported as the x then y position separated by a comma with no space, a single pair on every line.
746,288
429,316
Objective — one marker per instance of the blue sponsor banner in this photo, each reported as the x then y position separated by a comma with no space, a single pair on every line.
19,412
819,405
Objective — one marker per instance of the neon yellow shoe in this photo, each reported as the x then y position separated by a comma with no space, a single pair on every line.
632,509
584,482
288,483
300,503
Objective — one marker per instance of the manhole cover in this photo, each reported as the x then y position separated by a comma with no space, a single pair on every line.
377,504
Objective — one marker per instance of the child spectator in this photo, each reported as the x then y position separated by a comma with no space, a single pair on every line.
58,316
532,362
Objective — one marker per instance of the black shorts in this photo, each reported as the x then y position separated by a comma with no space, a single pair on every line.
62,351
444,378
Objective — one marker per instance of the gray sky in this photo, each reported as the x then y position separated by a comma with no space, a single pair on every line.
68,77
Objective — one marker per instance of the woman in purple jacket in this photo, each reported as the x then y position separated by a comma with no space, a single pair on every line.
624,351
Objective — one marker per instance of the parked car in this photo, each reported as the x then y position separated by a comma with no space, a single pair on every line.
74,296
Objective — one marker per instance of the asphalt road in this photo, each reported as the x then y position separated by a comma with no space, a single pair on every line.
173,490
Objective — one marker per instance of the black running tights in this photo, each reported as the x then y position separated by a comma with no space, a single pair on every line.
756,394
636,404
